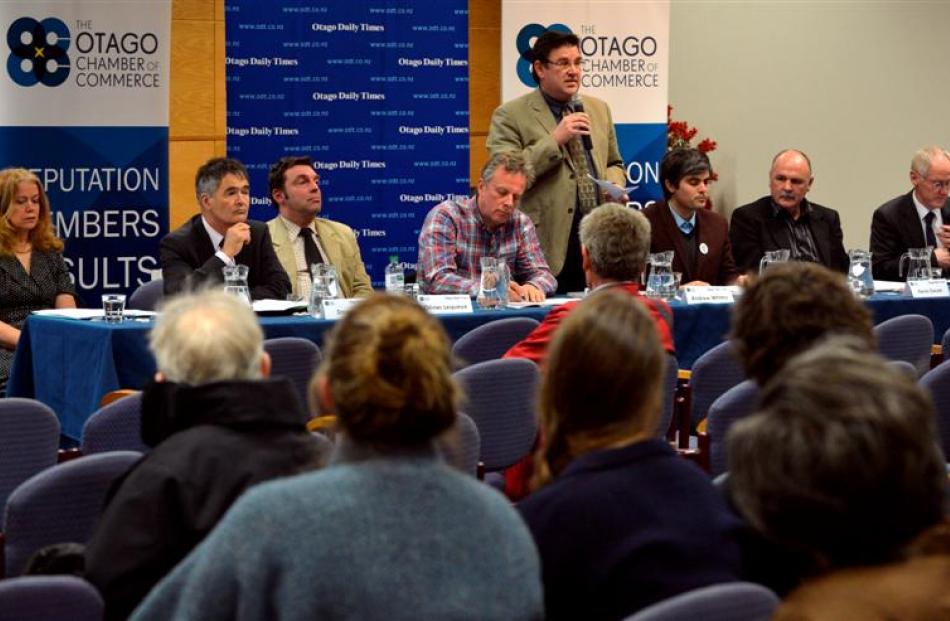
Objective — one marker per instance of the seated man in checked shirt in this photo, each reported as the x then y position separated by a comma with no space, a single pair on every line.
458,233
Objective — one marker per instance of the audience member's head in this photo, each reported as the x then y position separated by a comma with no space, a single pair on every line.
615,243
387,374
842,462
19,186
602,383
930,176
789,308
206,337
682,170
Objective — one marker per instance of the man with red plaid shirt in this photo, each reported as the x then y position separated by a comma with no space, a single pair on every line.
458,233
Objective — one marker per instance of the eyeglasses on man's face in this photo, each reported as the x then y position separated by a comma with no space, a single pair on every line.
563,63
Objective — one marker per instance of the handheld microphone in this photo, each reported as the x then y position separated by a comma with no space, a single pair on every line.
578,106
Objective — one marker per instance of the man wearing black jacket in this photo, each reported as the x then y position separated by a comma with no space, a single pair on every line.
787,220
196,252
217,425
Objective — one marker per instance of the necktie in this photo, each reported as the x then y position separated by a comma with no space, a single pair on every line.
686,227
310,250
929,222
586,190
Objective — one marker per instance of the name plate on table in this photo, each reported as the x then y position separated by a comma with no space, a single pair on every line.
446,304
334,308
708,295
934,288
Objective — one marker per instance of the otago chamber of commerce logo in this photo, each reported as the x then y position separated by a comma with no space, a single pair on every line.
525,42
38,51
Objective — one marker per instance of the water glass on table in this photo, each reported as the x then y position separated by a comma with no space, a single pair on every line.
113,307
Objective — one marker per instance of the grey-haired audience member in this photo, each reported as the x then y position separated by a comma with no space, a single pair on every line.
841,465
217,425
388,531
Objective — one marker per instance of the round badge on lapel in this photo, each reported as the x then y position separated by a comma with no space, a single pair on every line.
703,248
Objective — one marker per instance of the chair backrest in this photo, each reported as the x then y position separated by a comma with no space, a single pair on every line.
730,601
491,340
60,504
29,438
904,367
908,337
296,359
49,598
669,395
500,397
460,444
713,373
115,427
147,295
937,382
736,403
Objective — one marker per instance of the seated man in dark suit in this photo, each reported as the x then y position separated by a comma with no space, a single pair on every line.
195,253
787,220
698,237
917,219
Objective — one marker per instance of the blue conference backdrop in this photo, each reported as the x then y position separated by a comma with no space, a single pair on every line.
375,92
85,105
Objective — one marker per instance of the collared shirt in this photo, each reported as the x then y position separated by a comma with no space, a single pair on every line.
454,238
922,213
216,240
801,242
303,276
684,225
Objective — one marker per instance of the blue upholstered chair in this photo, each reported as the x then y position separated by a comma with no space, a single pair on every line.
147,296
736,403
904,367
49,598
499,395
908,337
490,341
294,358
115,427
937,382
460,444
730,601
61,504
669,395
29,438
713,373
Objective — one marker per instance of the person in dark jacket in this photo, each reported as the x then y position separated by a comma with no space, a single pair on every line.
622,521
785,219
217,425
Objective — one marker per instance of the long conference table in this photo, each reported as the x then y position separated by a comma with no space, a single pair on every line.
69,364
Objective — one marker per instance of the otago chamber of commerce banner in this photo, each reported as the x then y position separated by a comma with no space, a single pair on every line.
376,92
84,104
625,45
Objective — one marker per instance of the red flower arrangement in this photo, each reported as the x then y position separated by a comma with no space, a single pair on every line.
679,135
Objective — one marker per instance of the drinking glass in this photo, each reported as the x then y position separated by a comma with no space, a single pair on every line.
113,306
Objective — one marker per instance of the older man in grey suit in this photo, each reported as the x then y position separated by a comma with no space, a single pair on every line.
565,139
301,239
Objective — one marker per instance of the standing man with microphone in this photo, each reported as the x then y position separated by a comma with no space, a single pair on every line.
567,139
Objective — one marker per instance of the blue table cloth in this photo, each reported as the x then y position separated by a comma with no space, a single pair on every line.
69,364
